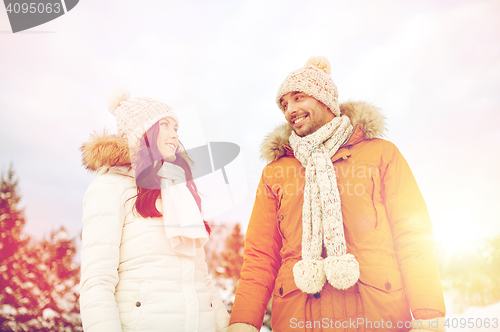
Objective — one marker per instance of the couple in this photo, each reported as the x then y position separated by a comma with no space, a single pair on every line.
339,233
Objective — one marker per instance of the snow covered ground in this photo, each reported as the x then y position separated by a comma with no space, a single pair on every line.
476,319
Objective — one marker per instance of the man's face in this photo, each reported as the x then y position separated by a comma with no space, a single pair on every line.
304,113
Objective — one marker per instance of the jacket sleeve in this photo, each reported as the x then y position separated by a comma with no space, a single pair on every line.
221,315
103,217
262,260
412,233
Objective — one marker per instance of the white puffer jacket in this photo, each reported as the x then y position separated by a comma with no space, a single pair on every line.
131,278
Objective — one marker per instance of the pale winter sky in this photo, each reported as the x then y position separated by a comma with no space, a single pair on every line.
433,67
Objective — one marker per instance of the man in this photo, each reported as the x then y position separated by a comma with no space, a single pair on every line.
339,233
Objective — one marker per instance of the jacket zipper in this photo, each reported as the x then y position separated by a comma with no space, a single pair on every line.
344,316
374,204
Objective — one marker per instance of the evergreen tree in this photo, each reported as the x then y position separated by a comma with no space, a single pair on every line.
214,247
39,279
232,256
230,269
12,241
228,272
54,283
11,216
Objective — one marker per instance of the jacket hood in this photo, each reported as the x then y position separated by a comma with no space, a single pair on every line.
105,150
366,115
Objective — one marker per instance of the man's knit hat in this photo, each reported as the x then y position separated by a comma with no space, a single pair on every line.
134,116
315,80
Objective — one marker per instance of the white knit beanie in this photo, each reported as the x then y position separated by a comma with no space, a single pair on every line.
134,116
315,80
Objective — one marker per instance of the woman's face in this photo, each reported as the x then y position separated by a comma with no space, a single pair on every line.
168,140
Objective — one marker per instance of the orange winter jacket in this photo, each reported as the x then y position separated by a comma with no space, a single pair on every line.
386,225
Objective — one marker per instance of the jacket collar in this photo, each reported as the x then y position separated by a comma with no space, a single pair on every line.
366,118
104,151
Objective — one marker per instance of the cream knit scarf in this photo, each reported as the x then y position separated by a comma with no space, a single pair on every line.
321,213
182,220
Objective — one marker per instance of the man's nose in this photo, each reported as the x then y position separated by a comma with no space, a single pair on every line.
291,109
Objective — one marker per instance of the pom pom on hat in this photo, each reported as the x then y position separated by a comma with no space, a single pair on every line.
320,62
116,97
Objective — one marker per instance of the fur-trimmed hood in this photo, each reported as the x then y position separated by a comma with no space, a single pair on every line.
104,150
366,115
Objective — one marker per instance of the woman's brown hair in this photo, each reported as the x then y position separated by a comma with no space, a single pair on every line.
148,161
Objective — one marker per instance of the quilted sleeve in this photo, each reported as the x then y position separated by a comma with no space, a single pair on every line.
413,236
262,260
103,218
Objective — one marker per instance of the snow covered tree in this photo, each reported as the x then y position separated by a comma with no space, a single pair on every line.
11,216
215,246
228,272
39,279
12,241
232,256
11,220
54,283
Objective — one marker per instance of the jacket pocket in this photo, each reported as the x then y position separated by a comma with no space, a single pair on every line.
383,278
289,302
285,283
374,202
137,305
383,294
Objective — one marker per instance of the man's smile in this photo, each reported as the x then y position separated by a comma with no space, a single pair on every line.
299,121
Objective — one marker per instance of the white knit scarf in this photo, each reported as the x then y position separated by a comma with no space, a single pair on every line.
182,220
321,213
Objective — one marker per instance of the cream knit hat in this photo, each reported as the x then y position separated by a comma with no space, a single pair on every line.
134,116
315,80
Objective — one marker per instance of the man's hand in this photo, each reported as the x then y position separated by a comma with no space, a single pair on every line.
426,314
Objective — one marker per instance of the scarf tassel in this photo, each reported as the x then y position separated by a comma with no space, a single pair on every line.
342,271
310,275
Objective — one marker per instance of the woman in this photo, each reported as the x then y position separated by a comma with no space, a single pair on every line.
143,263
